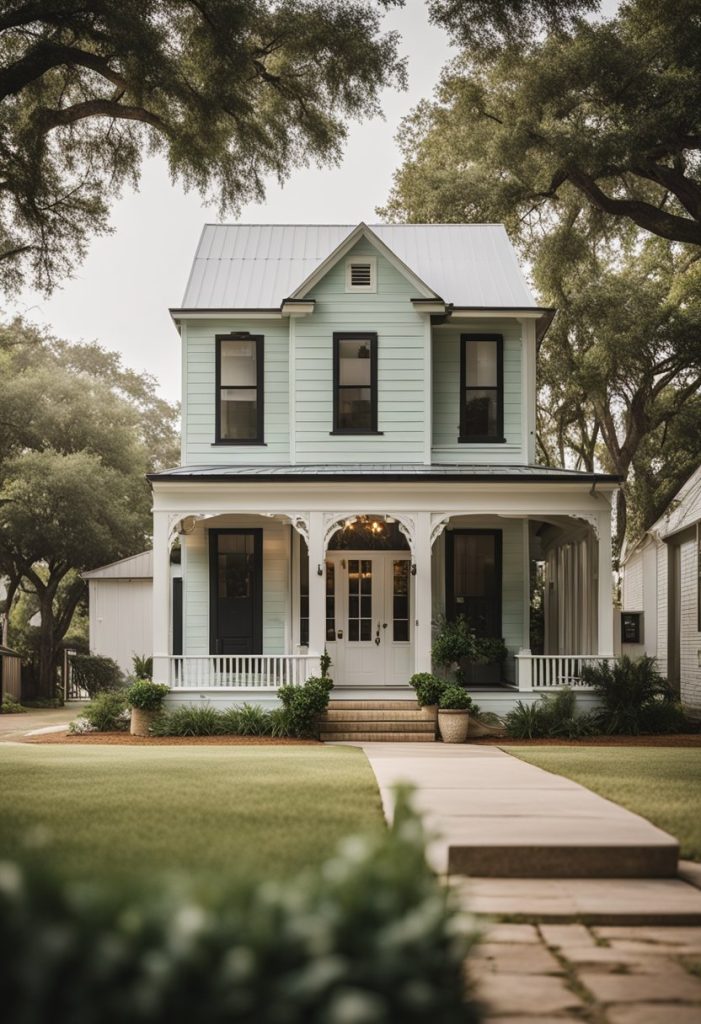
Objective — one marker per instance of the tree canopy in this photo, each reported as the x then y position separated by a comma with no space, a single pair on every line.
609,110
228,90
79,434
584,137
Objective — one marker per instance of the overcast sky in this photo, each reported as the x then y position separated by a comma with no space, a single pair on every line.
121,294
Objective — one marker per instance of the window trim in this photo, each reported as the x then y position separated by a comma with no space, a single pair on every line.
450,606
698,577
366,288
498,437
371,337
259,340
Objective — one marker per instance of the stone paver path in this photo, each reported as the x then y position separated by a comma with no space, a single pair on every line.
605,975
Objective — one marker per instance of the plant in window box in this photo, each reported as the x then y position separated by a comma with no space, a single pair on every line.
484,665
145,698
454,707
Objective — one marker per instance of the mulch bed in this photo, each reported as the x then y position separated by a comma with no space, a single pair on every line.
681,740
125,739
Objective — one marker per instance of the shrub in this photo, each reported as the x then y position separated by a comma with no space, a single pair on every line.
552,716
428,688
455,698
143,666
302,705
453,641
189,720
95,674
489,649
631,693
107,712
525,721
320,947
11,706
253,720
146,695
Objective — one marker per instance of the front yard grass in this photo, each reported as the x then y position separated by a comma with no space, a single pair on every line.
213,812
662,784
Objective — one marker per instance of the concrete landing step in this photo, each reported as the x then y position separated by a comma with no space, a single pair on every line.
378,737
564,860
593,901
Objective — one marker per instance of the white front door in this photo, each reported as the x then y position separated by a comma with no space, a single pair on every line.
369,628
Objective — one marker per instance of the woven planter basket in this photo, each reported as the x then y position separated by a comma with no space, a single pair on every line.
141,721
453,725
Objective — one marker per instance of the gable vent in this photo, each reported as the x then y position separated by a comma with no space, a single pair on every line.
361,275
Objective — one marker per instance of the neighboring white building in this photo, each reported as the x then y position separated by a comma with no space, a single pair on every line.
661,580
358,458
120,602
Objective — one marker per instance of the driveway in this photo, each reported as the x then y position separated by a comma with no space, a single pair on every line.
14,727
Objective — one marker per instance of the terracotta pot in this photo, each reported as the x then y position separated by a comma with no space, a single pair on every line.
141,721
453,725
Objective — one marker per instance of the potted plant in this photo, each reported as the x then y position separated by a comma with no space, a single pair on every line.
454,708
484,664
428,691
454,639
145,698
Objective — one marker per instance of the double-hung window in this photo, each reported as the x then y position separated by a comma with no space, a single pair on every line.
355,383
239,386
481,388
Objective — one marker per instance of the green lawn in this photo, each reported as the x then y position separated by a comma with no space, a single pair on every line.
663,784
214,812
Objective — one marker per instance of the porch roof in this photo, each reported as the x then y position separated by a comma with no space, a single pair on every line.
389,472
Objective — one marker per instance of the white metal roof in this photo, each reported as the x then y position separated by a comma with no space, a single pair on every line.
135,567
257,266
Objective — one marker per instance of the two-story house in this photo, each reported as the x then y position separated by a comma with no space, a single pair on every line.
358,459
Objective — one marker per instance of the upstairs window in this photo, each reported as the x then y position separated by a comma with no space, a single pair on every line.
239,389
481,388
355,383
361,274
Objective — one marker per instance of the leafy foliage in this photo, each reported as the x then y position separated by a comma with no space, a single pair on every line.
303,705
143,666
107,712
634,696
428,688
189,720
146,695
79,434
322,947
94,673
552,716
228,91
455,698
453,640
10,706
488,649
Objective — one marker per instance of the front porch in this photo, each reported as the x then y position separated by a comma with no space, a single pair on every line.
266,592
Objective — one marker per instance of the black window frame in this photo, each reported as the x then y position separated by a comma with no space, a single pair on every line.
259,340
371,337
498,436
451,609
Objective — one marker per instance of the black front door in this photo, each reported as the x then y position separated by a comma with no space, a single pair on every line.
236,591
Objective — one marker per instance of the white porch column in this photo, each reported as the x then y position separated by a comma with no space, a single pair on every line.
605,589
317,585
161,598
423,593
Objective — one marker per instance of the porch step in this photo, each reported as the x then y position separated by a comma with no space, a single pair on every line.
379,725
377,715
377,737
382,721
373,705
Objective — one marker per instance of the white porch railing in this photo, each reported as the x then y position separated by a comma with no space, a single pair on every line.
244,672
553,671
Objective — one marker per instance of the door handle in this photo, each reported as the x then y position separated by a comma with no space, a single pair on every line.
339,634
377,635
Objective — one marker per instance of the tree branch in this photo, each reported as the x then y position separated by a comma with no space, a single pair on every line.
45,56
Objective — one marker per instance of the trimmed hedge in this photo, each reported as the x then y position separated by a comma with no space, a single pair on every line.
371,939
95,674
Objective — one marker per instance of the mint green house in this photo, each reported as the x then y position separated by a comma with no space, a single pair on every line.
358,459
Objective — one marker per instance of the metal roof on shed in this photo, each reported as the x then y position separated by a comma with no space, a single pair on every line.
134,567
257,266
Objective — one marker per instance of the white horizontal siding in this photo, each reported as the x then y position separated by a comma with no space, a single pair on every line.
446,396
690,641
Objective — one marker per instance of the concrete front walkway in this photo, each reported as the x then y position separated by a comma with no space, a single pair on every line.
534,844
14,727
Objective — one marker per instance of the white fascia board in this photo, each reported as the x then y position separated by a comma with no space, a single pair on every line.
362,231
183,315
298,308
